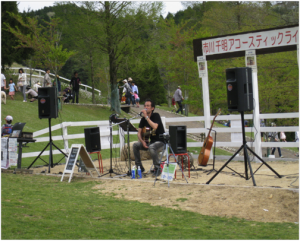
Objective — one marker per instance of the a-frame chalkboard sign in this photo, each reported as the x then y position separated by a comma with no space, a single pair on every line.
78,149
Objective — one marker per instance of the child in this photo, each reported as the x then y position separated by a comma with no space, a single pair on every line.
7,128
12,89
137,99
174,104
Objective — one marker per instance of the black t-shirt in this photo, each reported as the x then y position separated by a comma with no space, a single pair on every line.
75,83
155,117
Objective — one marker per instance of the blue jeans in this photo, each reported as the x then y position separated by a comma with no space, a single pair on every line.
133,100
23,89
274,149
180,107
154,149
128,98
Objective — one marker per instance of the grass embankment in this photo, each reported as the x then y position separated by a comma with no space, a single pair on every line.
42,207
28,113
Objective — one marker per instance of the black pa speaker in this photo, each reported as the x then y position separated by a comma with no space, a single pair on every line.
47,101
178,139
239,89
92,139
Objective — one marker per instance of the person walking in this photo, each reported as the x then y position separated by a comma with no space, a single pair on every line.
75,82
128,92
12,88
132,95
178,98
134,89
22,83
273,137
47,79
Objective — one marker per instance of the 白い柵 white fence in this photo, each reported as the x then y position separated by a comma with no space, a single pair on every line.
85,89
105,131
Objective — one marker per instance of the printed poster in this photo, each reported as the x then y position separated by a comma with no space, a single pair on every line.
4,159
168,174
251,59
202,66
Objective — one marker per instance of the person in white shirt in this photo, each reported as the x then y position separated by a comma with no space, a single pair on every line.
32,93
3,82
36,86
22,83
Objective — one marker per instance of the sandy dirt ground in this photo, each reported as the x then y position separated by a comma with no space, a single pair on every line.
273,199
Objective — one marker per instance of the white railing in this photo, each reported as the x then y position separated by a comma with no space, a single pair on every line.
105,131
41,77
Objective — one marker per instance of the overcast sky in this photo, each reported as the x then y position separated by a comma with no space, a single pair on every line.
171,7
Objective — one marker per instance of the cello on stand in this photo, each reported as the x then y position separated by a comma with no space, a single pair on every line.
207,145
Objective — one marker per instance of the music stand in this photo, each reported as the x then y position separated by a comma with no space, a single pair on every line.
125,125
246,158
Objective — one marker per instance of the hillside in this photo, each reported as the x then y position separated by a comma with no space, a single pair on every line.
28,113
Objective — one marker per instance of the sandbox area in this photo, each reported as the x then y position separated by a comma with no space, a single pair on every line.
228,195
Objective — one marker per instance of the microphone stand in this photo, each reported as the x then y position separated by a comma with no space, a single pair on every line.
128,145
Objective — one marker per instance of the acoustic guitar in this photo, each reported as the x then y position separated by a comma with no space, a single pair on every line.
205,150
146,132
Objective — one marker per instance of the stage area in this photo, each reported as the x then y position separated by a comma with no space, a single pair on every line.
228,195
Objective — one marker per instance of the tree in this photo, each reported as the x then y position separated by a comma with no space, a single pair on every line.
176,60
44,41
9,54
120,21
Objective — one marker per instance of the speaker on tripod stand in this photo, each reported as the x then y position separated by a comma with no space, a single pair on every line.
239,89
47,102
240,98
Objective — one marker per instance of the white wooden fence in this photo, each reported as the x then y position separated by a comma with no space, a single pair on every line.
87,89
105,131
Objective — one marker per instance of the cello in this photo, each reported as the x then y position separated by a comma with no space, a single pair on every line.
205,150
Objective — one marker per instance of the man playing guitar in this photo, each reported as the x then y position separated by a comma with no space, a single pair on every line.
153,121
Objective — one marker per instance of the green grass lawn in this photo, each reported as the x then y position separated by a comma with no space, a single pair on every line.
28,112
42,207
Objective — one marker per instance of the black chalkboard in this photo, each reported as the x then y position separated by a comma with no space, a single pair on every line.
72,159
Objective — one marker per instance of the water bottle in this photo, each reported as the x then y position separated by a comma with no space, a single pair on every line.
139,172
133,173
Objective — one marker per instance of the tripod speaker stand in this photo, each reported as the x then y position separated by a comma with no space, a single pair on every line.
246,158
50,151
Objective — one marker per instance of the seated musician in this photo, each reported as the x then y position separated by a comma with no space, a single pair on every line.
153,122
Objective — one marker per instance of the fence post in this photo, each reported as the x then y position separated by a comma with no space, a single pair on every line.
65,135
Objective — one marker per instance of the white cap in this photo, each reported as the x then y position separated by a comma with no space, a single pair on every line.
9,118
129,79
125,80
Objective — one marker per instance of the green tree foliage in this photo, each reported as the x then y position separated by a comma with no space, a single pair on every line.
44,41
9,54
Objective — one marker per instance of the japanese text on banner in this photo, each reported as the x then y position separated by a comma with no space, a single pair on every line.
258,40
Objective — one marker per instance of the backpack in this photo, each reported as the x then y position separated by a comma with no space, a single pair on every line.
6,129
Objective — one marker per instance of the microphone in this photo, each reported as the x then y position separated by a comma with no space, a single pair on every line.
141,114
